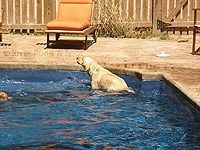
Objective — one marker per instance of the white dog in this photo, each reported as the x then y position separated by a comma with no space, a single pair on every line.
102,78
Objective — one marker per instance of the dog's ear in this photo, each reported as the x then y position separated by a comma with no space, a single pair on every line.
86,67
93,68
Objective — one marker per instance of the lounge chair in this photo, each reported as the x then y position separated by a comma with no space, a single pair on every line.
74,17
196,28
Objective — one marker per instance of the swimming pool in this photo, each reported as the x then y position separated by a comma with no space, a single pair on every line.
58,109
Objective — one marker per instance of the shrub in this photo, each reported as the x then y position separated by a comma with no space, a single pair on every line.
112,24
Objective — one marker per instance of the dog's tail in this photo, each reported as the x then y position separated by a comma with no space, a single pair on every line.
130,90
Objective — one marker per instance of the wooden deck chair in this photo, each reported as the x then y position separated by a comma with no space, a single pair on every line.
196,28
74,17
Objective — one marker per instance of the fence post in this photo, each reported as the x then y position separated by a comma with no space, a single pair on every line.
0,20
0,31
156,14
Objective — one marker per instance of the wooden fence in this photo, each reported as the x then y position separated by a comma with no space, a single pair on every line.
34,14
27,13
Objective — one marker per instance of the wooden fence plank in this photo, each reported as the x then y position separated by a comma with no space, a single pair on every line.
53,8
130,9
46,13
127,8
122,8
42,11
21,11
134,10
144,15
0,27
35,12
198,6
138,10
171,5
7,11
17,12
30,13
176,10
164,9
13,12
177,17
157,14
10,12
190,12
149,10
24,12
184,13
39,12
1,11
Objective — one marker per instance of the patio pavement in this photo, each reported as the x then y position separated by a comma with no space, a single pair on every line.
181,68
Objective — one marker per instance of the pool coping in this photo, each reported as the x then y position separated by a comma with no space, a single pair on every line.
141,73
148,75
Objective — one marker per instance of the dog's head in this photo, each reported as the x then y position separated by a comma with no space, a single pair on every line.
85,62
4,96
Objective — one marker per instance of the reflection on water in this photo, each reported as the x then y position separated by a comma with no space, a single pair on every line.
58,109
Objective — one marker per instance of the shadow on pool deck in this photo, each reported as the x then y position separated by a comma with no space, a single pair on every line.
181,68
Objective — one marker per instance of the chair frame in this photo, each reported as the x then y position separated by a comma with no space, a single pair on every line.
85,32
196,27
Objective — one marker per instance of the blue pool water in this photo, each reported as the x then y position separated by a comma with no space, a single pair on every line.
58,110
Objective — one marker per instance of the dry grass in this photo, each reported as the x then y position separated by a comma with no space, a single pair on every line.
113,24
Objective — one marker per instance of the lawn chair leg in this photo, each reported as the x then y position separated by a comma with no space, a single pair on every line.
194,41
57,36
85,43
95,36
47,40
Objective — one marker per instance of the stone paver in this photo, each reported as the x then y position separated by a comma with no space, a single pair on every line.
181,68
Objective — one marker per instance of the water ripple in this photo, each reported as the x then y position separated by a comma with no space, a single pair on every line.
58,110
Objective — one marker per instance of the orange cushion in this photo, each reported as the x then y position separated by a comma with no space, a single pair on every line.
77,1
67,25
72,15
74,12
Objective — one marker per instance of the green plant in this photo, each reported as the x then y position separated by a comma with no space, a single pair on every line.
164,36
146,33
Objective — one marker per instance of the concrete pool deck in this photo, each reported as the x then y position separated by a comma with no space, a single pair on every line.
137,55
